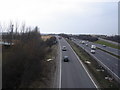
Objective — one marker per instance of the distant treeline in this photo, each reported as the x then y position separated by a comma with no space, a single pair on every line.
87,37
24,62
115,38
82,37
65,36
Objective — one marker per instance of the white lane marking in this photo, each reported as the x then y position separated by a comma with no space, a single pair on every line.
60,65
83,66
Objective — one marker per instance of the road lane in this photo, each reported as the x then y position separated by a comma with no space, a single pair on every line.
73,75
109,49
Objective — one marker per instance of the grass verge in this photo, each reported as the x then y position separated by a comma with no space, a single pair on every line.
107,44
109,52
93,67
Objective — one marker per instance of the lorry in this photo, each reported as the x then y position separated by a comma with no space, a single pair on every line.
83,42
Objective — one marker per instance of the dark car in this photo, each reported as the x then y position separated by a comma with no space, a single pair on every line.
65,59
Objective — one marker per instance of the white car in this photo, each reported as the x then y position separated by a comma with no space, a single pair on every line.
92,51
104,45
86,44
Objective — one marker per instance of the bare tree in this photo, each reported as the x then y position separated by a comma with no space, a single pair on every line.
23,28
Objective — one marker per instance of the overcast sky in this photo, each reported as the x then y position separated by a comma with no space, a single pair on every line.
63,16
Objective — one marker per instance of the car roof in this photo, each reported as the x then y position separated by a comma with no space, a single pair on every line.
65,56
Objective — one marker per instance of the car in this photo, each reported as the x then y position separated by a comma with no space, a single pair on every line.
64,48
92,51
104,45
86,44
60,37
65,59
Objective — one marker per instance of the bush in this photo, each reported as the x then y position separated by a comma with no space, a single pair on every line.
51,41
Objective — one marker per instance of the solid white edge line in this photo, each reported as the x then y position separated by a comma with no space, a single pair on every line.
83,66
60,65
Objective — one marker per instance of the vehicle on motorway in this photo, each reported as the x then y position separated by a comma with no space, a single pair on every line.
83,42
86,44
65,59
60,37
93,47
104,45
92,51
64,48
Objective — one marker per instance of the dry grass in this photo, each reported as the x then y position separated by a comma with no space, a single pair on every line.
45,37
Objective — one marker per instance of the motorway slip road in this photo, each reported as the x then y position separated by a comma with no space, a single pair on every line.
73,73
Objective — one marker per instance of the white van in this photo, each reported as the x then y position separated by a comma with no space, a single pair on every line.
93,47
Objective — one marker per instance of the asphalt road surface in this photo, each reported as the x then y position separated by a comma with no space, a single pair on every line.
73,73
108,60
109,49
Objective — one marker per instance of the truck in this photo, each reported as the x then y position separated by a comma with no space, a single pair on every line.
83,42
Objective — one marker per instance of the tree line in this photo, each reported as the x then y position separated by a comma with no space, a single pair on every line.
82,37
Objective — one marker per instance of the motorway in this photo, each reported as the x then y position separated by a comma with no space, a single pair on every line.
73,73
109,49
111,62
